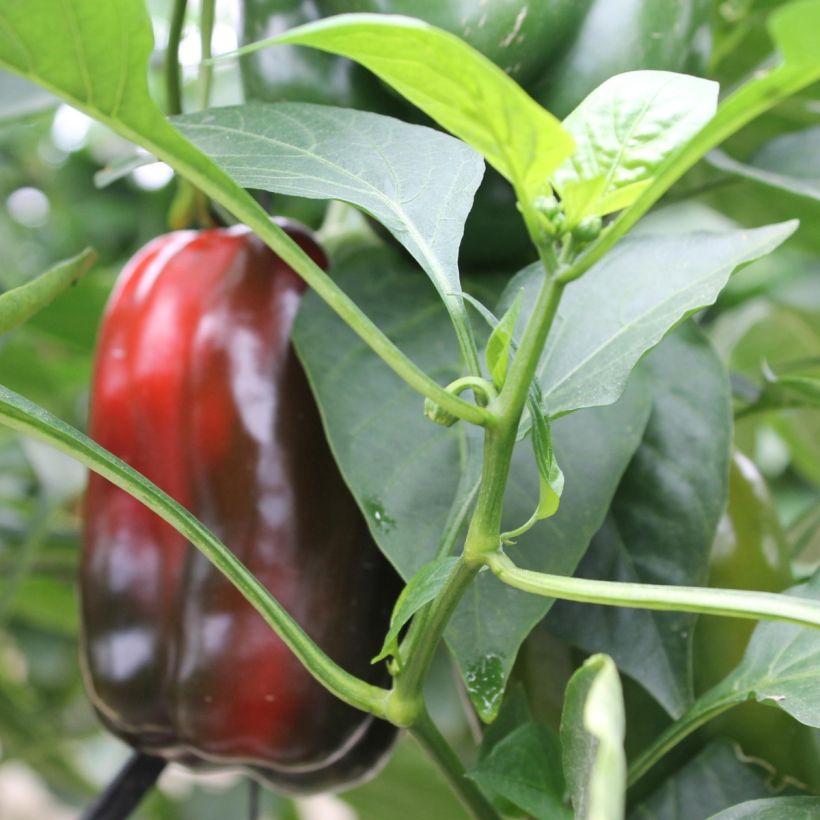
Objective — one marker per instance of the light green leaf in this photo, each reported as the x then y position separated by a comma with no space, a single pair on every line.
592,739
451,82
793,27
500,342
628,302
418,182
551,483
774,808
21,303
624,130
525,769
420,590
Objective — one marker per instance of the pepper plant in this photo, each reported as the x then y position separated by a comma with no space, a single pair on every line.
562,434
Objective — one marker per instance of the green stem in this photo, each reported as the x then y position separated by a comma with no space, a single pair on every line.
173,74
703,710
420,645
429,738
483,535
206,68
730,602
21,415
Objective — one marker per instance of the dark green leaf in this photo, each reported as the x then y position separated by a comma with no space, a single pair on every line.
714,780
662,521
525,769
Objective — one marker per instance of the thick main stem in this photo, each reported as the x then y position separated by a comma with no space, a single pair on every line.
429,738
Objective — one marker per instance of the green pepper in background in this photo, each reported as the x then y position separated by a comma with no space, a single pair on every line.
626,35
559,50
751,552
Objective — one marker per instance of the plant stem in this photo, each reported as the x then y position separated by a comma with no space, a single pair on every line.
206,68
701,712
21,415
419,647
730,602
173,74
429,738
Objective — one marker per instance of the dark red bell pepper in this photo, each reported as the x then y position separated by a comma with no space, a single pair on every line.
198,387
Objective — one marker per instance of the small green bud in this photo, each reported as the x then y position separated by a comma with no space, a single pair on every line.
435,412
587,229
549,206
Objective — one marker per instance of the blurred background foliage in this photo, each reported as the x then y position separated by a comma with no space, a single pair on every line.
53,754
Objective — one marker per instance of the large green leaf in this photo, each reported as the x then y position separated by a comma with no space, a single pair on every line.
451,82
419,183
662,520
628,302
415,480
790,162
592,740
774,808
713,780
623,131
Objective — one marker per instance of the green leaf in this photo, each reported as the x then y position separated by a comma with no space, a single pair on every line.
713,780
781,667
628,302
774,808
419,183
21,303
623,131
662,521
451,82
551,479
420,590
592,740
525,769
499,344
416,481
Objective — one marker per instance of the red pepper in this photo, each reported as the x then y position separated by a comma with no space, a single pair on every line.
197,386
